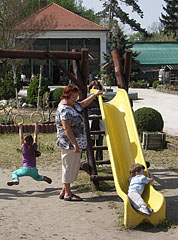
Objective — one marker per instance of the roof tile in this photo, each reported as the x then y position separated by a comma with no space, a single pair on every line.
64,20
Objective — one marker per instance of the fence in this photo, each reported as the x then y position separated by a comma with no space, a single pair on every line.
43,128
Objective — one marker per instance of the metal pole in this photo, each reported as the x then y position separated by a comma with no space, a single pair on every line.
39,87
15,83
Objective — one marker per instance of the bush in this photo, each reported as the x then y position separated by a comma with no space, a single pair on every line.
56,96
7,87
149,120
32,91
156,83
139,84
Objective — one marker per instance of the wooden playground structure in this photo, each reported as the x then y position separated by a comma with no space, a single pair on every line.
80,78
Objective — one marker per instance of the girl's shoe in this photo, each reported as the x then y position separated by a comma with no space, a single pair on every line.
13,182
47,179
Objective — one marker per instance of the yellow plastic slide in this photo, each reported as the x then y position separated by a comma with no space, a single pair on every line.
125,149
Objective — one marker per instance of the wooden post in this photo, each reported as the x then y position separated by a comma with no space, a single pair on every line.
84,66
15,83
57,62
78,74
127,67
39,87
118,70
82,75
80,81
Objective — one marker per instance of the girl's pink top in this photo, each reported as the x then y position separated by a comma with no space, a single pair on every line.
29,159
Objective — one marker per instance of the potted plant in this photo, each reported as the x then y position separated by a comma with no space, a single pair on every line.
150,124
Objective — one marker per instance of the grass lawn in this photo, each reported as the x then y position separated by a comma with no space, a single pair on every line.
11,156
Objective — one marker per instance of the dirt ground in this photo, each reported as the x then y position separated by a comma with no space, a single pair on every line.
32,210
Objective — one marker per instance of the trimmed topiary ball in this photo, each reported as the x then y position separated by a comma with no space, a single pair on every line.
149,120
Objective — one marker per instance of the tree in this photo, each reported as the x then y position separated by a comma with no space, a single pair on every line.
156,34
137,37
113,16
170,19
14,30
113,11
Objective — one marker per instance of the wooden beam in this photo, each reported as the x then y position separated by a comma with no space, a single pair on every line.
118,70
37,54
84,66
57,62
81,77
77,72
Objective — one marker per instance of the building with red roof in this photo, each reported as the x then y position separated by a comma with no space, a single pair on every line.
65,32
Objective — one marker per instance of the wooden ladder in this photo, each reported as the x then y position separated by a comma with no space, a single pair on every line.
100,162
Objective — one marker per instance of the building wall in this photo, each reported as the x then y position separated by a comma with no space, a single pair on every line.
66,41
79,35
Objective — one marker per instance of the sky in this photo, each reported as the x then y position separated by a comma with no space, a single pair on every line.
151,8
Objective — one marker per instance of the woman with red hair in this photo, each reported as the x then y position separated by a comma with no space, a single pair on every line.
71,136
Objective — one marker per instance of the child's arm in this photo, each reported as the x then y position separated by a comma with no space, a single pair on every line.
151,177
21,134
36,132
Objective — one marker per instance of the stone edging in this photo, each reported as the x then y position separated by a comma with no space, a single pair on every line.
43,128
167,91
172,147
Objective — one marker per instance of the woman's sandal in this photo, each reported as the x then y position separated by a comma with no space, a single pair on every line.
73,197
61,196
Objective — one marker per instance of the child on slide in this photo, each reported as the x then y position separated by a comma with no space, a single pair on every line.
136,188
29,152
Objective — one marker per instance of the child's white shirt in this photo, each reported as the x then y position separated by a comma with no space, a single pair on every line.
137,183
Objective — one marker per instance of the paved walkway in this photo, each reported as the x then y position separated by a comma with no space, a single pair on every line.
166,104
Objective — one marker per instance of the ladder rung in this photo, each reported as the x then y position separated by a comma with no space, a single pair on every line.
103,162
101,178
95,117
100,148
97,132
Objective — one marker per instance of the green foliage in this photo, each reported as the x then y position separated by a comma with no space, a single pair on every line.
7,87
29,7
137,37
168,87
46,147
56,96
112,10
160,36
148,119
139,84
32,91
170,19
156,83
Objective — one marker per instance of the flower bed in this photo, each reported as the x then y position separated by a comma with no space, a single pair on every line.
168,88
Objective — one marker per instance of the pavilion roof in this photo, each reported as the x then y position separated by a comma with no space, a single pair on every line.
62,19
